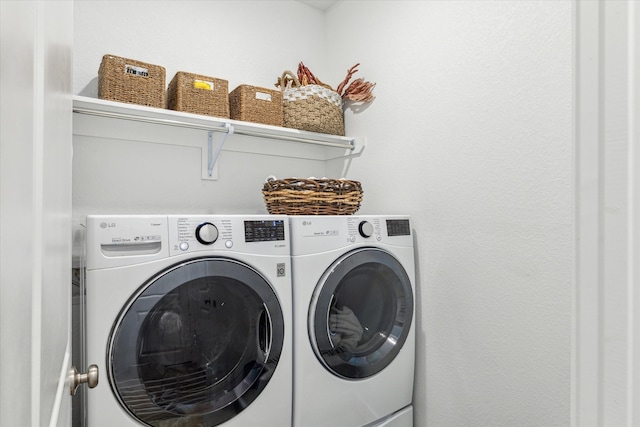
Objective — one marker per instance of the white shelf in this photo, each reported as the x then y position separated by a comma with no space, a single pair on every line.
107,119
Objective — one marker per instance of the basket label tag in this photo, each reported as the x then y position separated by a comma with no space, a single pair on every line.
263,96
138,71
201,84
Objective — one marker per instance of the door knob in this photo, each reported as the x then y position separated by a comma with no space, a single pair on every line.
76,378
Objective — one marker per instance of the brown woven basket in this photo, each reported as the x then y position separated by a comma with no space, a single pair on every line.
256,104
312,108
194,93
294,196
131,81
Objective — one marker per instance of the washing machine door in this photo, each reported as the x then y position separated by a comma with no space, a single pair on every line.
196,345
360,314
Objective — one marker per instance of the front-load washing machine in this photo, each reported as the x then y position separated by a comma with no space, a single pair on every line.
353,312
189,320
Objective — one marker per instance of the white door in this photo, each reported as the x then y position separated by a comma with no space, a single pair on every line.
36,41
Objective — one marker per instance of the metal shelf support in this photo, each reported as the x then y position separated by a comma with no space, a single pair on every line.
213,156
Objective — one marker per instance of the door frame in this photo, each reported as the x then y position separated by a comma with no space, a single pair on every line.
605,384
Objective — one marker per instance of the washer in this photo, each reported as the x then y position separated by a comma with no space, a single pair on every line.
353,311
189,320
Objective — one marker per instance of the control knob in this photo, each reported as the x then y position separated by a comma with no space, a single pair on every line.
206,233
365,229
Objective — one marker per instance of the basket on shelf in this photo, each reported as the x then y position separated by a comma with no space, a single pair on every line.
311,107
256,104
131,81
194,93
296,196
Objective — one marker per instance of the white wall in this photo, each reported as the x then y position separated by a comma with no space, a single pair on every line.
244,42
247,42
470,134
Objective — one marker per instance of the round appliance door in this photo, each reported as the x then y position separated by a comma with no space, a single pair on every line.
361,313
196,345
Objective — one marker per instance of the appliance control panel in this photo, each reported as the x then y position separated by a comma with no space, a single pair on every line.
314,234
120,240
368,228
398,227
264,231
251,233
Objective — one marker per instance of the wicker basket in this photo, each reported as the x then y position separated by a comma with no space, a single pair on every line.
293,196
312,108
131,81
194,93
256,104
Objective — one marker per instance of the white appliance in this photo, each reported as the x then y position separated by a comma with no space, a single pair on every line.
189,320
401,418
353,313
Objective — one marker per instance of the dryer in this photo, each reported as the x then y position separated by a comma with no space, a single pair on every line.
353,311
189,320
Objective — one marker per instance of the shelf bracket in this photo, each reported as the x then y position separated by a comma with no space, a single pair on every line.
356,146
213,155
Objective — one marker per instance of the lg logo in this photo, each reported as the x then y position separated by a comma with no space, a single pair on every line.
107,224
306,222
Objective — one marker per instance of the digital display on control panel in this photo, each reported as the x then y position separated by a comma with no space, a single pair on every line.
263,231
398,227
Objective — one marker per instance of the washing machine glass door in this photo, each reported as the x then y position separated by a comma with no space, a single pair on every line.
361,313
196,345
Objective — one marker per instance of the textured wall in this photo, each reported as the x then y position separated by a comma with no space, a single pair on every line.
248,42
471,134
